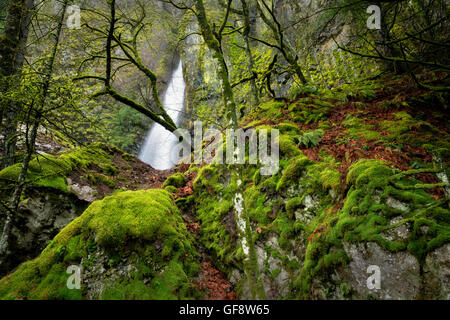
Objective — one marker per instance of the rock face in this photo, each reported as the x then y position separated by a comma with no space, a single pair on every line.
399,272
40,217
436,281
86,193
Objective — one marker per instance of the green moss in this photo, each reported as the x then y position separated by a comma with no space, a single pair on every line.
171,189
51,172
359,167
288,128
288,148
402,123
294,171
106,180
117,224
255,205
206,177
141,214
47,171
325,173
110,169
293,204
357,129
177,180
271,110
285,228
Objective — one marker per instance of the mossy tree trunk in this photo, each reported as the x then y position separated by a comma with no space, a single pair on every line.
213,41
248,50
12,51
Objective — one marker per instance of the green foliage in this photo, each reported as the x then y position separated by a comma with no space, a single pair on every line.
311,138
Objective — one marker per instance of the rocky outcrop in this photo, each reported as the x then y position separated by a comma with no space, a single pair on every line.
308,232
132,245
40,217
59,190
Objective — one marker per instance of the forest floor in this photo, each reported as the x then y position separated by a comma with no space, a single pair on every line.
211,281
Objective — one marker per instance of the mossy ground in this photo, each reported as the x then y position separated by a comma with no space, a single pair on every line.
51,171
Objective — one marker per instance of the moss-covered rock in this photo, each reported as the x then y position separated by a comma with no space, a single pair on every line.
58,189
140,231
52,171
372,208
177,180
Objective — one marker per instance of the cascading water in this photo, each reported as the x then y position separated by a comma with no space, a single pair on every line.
156,150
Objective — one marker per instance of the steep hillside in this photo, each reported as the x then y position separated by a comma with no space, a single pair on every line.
362,182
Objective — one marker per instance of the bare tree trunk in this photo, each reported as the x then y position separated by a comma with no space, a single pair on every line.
389,50
286,50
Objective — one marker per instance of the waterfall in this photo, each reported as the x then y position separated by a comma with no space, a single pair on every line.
159,142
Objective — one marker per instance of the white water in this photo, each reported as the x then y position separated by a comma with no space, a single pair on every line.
156,150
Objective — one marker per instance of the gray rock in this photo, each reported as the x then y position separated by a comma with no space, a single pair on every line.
40,217
399,233
400,272
437,274
85,193
394,203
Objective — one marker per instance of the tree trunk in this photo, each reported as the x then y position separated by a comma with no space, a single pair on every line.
13,45
215,46
248,51
389,50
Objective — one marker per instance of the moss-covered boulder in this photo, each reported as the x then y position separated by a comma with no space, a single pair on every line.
58,189
176,180
131,245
